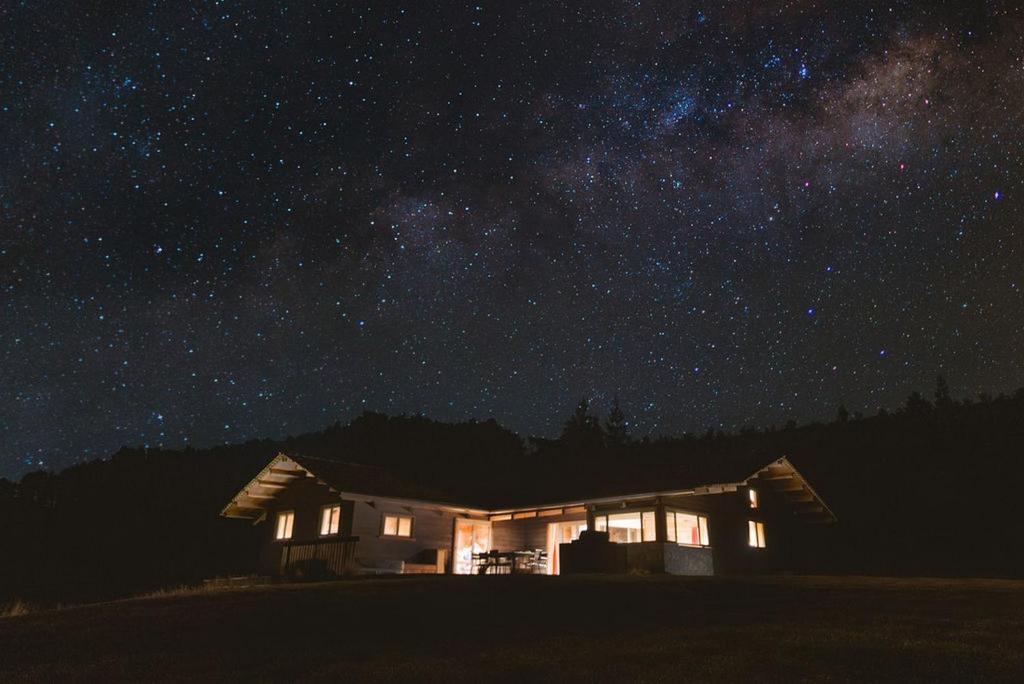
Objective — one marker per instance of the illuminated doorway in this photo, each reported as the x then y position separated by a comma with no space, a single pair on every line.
471,536
561,533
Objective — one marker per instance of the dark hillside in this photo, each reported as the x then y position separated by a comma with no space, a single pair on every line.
538,629
930,489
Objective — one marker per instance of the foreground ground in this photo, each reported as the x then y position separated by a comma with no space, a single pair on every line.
538,628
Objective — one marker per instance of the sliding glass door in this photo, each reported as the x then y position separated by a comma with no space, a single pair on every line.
471,536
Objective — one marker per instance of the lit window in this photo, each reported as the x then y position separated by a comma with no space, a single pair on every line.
285,521
753,497
647,526
397,526
627,528
687,528
755,534
330,519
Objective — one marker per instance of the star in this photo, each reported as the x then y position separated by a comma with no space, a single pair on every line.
492,214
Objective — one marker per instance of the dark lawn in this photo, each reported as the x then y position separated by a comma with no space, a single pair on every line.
538,628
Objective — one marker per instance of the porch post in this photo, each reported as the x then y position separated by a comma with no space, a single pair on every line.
660,528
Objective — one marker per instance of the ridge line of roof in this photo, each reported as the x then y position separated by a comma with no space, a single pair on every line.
326,459
490,509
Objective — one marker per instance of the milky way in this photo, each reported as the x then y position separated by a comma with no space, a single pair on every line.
221,221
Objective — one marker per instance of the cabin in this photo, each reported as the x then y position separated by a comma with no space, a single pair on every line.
324,517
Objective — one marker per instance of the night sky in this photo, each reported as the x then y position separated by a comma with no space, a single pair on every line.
221,221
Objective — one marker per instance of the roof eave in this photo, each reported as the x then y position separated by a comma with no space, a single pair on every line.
234,508
692,491
805,486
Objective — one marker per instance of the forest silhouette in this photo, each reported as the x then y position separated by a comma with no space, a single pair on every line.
930,488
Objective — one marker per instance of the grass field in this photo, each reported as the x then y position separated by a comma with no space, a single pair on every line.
537,628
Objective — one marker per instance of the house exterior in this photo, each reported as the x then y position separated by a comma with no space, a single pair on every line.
327,517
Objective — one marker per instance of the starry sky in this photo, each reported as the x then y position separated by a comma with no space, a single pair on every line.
228,220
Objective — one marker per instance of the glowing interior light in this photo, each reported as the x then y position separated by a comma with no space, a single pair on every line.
285,522
397,526
330,519
755,534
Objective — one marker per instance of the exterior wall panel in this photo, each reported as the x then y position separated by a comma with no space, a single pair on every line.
528,533
305,497
508,535
431,530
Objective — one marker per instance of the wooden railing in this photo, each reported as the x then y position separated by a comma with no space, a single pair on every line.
328,557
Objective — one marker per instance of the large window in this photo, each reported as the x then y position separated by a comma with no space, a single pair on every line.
755,534
330,519
285,522
687,528
627,528
397,526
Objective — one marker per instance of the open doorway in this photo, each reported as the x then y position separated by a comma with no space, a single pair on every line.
561,533
471,536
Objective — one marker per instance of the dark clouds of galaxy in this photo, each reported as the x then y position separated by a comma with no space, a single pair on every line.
229,220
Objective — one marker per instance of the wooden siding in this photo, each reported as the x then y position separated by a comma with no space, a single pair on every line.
306,498
431,530
528,533
508,535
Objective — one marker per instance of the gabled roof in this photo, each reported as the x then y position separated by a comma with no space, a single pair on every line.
352,480
782,477
364,482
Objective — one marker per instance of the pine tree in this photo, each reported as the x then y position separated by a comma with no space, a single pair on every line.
942,398
917,404
615,426
582,433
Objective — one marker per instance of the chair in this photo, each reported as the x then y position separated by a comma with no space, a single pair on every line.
540,562
501,562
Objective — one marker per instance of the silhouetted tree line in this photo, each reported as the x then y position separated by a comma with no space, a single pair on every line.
931,488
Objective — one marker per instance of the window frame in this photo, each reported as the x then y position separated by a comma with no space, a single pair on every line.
756,535
703,528
398,525
287,519
336,521
648,515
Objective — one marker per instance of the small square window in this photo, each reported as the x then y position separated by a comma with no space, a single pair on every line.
285,522
330,519
397,526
